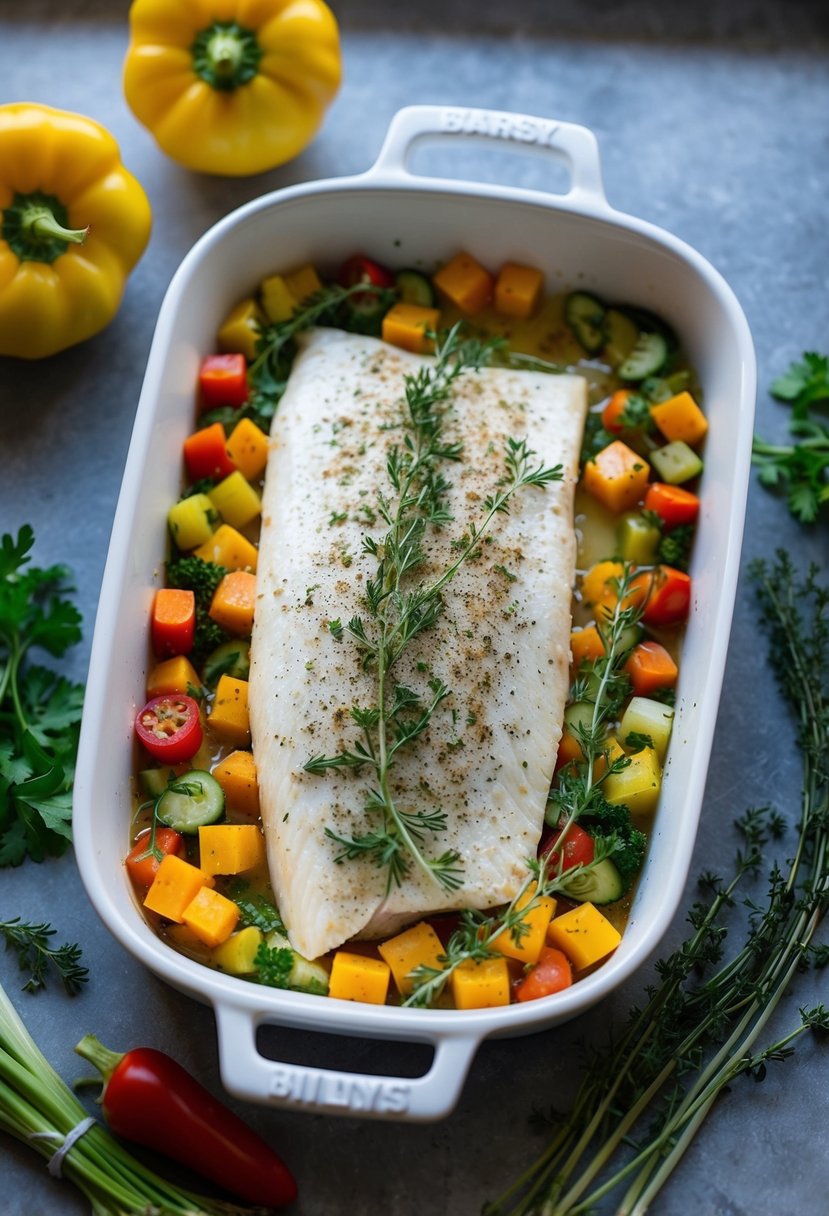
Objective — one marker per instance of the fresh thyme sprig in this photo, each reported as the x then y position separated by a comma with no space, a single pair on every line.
399,609
36,954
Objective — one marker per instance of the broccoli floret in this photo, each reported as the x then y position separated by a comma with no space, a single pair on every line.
191,573
603,818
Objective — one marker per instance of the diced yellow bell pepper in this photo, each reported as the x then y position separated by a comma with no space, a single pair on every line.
227,547
303,282
518,290
236,500
418,946
240,331
278,301
236,774
646,716
247,446
406,325
355,977
637,785
481,985
237,955
527,947
230,848
211,916
229,712
584,935
191,521
172,675
174,887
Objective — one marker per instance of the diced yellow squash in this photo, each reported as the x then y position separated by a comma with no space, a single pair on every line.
481,985
172,675
418,946
236,500
303,282
406,325
584,935
278,301
236,774
247,446
191,521
230,848
518,290
645,716
233,602
355,977
229,712
527,946
174,887
637,785
240,331
680,419
616,476
227,547
465,283
236,956
211,916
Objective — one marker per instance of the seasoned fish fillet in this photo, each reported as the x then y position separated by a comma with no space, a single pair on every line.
501,644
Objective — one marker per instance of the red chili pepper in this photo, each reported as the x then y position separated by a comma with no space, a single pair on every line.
170,728
223,380
150,1099
173,621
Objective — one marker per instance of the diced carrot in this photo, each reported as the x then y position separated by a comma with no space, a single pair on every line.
669,597
680,418
518,290
673,504
585,645
173,621
612,412
172,675
234,601
205,453
406,325
247,446
142,865
616,476
465,283
650,667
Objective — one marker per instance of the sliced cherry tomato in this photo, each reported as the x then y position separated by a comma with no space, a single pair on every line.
578,848
223,380
170,728
360,269
142,865
173,622
673,504
550,974
669,597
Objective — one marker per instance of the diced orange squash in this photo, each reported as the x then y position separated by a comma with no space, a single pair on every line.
680,418
229,712
638,784
616,476
303,282
586,645
237,955
600,587
356,977
236,500
465,283
481,985
227,547
527,946
247,447
406,325
418,946
230,848
278,301
569,750
211,916
172,675
236,774
584,935
234,601
191,521
174,887
240,331
611,750
518,290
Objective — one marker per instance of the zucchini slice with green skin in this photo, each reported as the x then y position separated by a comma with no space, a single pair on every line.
414,288
191,802
232,658
154,781
600,883
621,333
585,314
647,357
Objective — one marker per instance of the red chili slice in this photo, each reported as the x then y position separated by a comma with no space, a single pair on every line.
170,728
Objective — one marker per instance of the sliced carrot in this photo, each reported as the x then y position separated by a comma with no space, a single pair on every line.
616,476
233,602
680,418
205,453
673,504
650,667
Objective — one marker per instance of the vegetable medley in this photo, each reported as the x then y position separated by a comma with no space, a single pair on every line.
197,860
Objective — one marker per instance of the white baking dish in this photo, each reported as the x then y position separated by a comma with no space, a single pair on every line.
578,239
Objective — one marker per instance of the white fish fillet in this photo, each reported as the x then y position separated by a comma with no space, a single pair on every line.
501,645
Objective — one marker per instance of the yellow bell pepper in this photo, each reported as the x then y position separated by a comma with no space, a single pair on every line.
231,86
73,223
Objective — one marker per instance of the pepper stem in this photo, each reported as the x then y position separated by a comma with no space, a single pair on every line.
40,224
36,227
105,1061
226,55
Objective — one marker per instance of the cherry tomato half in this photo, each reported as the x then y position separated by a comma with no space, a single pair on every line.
550,974
578,848
170,728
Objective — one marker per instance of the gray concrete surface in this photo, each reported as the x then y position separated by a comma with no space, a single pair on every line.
712,123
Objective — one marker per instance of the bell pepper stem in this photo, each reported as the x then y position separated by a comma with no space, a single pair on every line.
224,53
40,224
105,1061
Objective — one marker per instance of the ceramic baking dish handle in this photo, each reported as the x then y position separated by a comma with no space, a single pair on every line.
576,145
250,1075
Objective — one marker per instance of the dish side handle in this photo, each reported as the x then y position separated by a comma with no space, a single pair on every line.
249,1075
575,145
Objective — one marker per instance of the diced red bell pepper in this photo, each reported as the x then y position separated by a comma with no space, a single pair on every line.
173,622
142,864
206,455
673,504
223,380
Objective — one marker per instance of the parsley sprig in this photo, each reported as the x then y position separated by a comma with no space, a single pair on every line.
800,469
40,710
399,608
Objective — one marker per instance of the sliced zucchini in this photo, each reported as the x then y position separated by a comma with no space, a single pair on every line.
646,358
621,334
191,802
232,658
414,288
601,883
154,781
637,538
676,462
305,975
585,315
650,323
